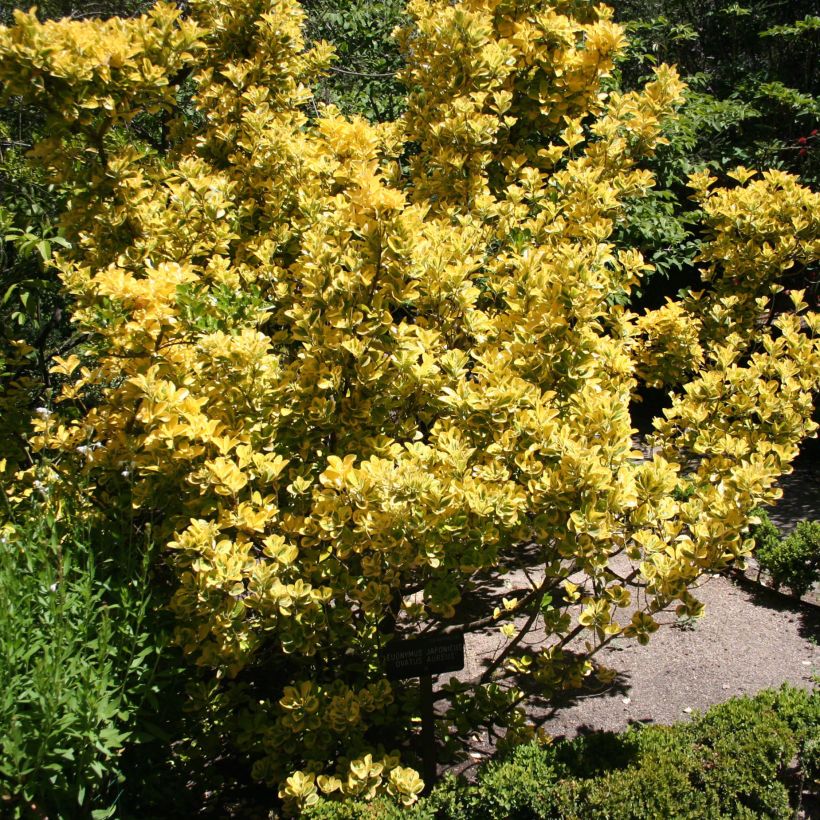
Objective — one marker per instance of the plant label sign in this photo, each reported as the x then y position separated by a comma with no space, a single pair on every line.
424,656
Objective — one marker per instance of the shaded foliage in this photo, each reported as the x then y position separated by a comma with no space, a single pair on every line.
362,79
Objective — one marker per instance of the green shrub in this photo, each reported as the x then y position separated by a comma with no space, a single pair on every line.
793,561
657,784
739,749
517,787
77,659
383,809
766,535
800,710
725,764
728,763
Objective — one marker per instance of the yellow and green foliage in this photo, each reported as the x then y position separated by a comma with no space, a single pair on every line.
349,367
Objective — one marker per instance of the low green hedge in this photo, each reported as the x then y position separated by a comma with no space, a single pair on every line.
735,761
793,561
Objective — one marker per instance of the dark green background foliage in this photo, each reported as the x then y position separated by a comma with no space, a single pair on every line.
75,9
761,57
362,79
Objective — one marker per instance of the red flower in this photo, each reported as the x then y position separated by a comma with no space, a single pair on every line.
803,152
802,141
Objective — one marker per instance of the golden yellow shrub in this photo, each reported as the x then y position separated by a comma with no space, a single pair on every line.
333,378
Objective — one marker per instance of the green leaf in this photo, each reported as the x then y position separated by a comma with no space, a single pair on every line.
9,292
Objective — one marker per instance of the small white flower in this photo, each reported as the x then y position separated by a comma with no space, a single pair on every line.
83,449
53,587
43,412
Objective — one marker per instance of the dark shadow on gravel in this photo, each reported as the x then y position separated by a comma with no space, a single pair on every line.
801,489
541,710
806,615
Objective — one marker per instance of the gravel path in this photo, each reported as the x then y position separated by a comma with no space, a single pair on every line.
750,639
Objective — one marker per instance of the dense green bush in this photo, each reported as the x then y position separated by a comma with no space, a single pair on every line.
766,533
79,648
362,79
797,563
793,561
731,762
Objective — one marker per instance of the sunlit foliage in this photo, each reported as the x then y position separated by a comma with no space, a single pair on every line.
350,367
